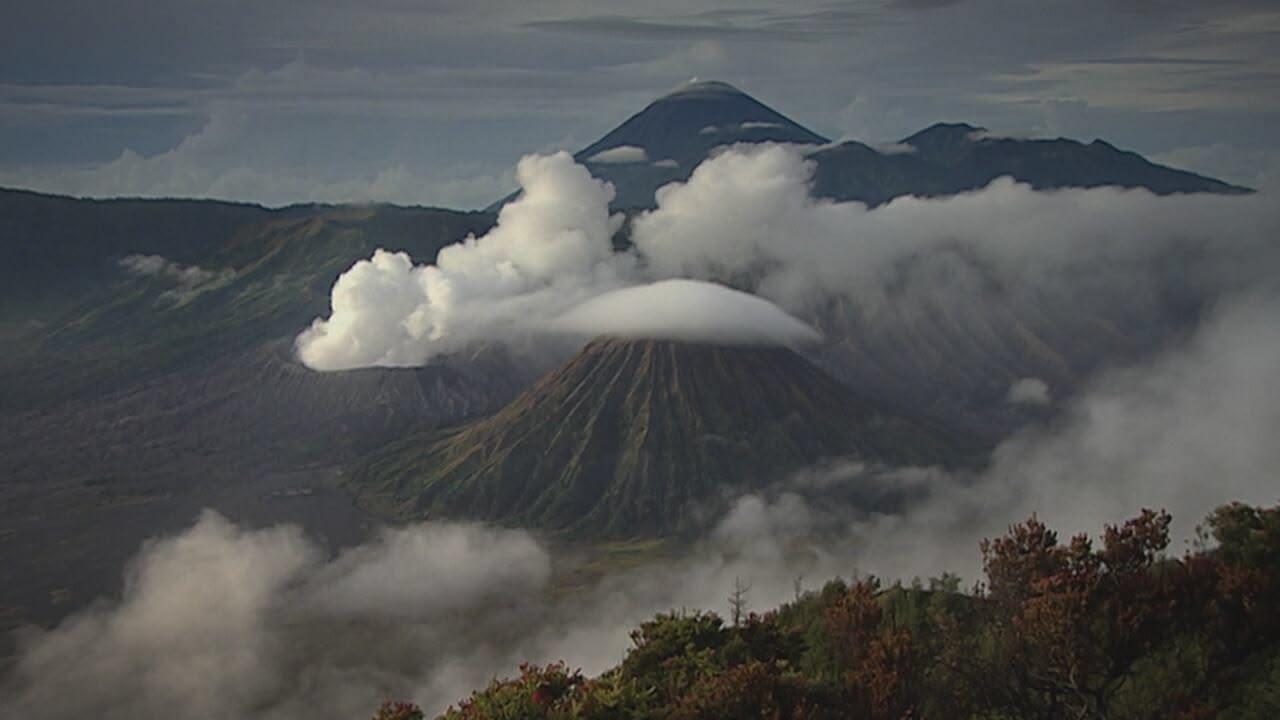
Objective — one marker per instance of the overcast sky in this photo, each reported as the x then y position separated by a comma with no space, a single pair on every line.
432,102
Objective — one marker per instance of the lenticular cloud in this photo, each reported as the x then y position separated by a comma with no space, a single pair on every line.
688,310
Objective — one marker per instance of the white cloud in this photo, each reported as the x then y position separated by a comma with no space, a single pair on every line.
746,218
550,249
1029,391
209,627
426,571
686,310
746,215
1192,429
229,623
621,155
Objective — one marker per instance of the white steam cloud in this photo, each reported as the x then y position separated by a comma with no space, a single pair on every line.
550,249
686,310
158,266
1190,430
746,218
758,125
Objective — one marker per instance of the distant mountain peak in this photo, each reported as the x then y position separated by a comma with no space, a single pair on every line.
940,133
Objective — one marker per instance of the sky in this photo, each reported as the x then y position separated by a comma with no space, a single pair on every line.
433,102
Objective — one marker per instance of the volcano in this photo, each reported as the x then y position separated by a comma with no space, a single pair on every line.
641,438
685,124
679,130
670,136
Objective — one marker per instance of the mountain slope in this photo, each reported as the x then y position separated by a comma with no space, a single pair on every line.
261,278
679,130
54,250
630,437
945,159
685,124
129,401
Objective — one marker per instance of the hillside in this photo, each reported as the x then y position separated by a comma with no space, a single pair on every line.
640,437
1058,630
945,159
130,400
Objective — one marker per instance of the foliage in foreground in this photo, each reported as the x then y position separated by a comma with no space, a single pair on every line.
1057,630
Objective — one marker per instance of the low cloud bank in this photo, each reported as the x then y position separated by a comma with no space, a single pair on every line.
550,251
747,215
224,622
1188,431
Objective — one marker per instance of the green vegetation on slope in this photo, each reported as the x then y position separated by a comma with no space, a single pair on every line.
1057,631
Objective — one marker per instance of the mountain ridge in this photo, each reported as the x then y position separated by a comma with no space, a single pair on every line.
687,125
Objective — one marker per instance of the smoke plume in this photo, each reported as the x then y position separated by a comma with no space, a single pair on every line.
550,249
